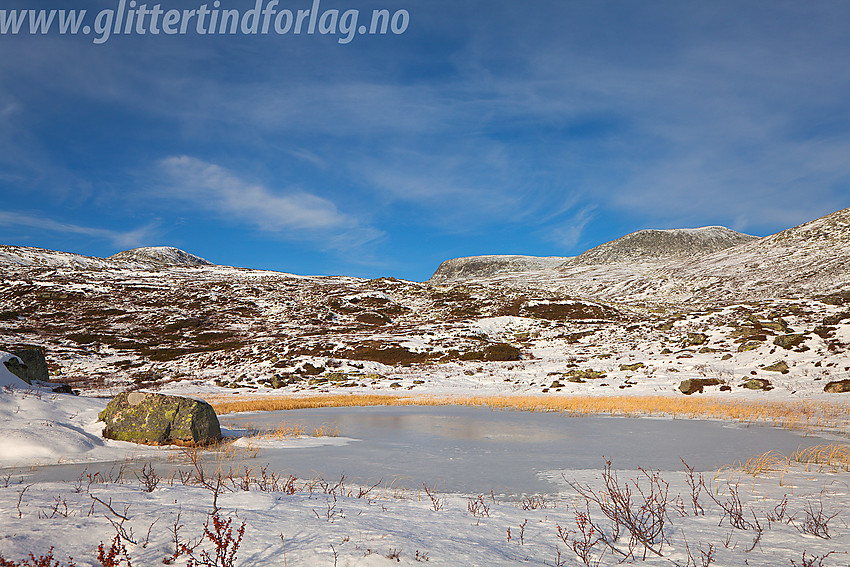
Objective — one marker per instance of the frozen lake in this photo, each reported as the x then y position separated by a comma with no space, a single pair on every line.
476,450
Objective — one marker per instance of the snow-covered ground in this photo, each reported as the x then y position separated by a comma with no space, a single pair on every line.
788,515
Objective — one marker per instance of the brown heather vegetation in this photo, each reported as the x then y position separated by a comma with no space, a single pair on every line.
790,415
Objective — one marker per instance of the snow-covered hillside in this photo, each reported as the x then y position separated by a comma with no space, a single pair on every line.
663,245
698,267
42,258
110,327
159,256
138,259
462,269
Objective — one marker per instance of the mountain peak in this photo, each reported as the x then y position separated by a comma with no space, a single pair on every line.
160,256
656,244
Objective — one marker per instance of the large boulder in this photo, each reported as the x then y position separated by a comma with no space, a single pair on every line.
696,385
837,387
757,384
32,364
157,419
790,341
781,367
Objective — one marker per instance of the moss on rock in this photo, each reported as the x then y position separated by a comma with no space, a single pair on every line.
780,366
157,419
694,339
757,384
749,345
790,341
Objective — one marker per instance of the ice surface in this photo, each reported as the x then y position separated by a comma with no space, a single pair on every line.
469,449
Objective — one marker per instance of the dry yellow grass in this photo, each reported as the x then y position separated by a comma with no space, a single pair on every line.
821,458
765,463
790,415
825,457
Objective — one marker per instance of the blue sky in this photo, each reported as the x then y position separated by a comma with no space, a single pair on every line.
539,127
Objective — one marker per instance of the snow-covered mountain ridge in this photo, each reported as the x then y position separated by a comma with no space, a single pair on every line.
698,266
734,313
655,247
137,258
460,269
669,244
159,256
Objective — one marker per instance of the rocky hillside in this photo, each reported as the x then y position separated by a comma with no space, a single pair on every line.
461,269
809,260
138,258
159,256
657,247
696,267
770,310
42,258
663,245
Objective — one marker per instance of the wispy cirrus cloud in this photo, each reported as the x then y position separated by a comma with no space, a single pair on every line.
570,232
121,239
293,214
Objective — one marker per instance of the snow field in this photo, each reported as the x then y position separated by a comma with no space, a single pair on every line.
326,523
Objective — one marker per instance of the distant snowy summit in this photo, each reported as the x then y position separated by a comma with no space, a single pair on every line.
138,258
653,245
642,246
160,256
685,266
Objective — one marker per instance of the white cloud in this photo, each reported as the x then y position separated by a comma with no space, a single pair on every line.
294,214
127,239
569,233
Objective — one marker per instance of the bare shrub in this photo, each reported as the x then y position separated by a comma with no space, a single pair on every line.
148,479
532,503
733,512
46,560
478,508
586,542
115,555
437,503
811,560
638,510
696,484
815,522
225,544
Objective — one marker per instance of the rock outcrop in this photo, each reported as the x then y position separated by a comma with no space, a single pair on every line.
696,385
157,419
837,387
32,364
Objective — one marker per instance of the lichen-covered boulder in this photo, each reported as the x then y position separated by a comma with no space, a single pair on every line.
781,367
837,387
694,339
757,384
790,341
157,419
696,385
749,345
